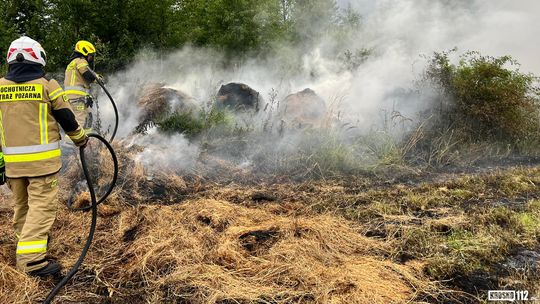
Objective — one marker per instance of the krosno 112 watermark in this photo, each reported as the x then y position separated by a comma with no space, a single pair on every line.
509,295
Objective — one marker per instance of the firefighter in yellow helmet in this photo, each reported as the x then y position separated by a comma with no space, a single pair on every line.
79,76
31,108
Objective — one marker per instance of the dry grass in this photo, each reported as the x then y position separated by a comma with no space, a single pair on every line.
208,251
16,287
173,239
203,250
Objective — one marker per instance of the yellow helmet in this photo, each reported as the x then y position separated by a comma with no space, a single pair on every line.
84,47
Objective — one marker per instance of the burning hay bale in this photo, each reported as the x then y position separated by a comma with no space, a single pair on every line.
158,102
238,96
303,109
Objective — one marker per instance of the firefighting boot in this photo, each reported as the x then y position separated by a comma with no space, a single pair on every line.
51,269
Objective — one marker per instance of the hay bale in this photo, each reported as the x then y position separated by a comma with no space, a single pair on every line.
158,102
303,109
238,96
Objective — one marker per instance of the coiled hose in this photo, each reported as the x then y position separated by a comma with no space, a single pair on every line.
95,203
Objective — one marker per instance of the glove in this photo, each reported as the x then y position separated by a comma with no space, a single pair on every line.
78,137
88,101
99,77
2,169
82,142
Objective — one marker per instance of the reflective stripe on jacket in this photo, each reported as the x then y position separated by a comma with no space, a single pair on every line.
29,133
74,83
76,90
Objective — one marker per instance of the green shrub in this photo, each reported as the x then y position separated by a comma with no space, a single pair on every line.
192,125
182,123
484,98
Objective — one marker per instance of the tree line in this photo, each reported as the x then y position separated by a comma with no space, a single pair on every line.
120,29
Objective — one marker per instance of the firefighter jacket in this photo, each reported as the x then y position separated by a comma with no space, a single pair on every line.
29,134
78,78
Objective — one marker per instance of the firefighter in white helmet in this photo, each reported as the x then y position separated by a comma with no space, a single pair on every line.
79,76
31,108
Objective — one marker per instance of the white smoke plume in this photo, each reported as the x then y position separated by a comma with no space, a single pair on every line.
495,27
396,31
165,151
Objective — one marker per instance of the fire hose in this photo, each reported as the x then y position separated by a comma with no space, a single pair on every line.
94,201
114,107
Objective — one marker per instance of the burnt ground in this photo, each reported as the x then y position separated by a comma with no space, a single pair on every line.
455,212
449,236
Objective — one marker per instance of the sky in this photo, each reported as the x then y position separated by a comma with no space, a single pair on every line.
494,27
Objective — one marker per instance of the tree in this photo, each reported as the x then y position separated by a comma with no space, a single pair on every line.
29,17
313,18
237,27
8,33
119,29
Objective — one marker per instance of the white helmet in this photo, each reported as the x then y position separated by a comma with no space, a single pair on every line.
26,50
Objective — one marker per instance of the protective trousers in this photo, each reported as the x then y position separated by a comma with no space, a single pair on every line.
82,113
35,211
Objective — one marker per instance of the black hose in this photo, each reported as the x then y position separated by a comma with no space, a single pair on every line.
70,201
94,205
114,106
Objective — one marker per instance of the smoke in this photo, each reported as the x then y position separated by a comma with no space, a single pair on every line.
401,30
496,27
396,33
163,152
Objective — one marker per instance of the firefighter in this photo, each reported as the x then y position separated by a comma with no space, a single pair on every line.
31,107
79,76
